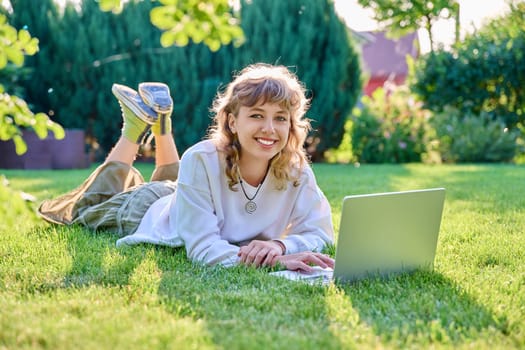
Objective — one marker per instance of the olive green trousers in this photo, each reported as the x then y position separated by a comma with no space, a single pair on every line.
114,198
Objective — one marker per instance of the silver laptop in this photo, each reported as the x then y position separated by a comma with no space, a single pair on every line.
383,234
387,233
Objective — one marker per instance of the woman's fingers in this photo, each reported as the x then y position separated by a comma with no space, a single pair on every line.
259,253
248,254
265,253
304,261
254,255
268,260
301,266
314,259
328,261
260,256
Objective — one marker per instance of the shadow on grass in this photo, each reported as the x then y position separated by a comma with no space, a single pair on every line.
95,262
422,305
241,307
246,308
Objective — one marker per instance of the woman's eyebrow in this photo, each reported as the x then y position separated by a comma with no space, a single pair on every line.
259,109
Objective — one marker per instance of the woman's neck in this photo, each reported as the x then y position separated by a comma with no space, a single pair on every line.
253,172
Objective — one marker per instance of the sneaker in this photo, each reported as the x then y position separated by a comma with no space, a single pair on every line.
156,96
131,99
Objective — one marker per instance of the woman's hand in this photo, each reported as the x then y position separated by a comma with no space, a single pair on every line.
303,261
260,253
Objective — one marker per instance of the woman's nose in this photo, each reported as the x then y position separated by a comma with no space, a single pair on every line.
268,126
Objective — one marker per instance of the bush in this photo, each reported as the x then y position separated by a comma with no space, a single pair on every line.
485,73
389,128
472,138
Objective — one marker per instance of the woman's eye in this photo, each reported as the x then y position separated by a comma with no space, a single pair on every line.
281,118
256,116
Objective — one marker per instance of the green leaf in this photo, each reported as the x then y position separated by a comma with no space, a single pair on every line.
197,34
196,20
40,130
114,6
58,131
31,47
14,55
10,34
3,59
164,18
213,44
23,36
167,39
20,145
181,39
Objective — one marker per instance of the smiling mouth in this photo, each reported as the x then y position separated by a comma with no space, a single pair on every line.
266,142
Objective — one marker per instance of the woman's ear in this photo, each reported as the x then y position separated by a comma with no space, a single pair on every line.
231,123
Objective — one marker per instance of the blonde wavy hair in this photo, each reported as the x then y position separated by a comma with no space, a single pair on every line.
255,84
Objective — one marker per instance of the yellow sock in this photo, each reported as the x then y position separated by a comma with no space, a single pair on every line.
134,128
163,125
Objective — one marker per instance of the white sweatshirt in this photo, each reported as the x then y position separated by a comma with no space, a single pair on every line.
211,221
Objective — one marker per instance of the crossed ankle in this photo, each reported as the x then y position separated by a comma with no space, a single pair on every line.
162,126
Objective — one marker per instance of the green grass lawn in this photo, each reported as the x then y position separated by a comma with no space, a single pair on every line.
65,288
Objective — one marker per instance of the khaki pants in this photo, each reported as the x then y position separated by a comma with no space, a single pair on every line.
114,197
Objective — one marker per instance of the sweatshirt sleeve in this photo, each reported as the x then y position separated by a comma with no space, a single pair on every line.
311,225
196,222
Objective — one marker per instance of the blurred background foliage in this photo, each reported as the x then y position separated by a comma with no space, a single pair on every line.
390,127
451,95
85,50
460,104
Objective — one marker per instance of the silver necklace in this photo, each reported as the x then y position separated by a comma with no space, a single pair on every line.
250,206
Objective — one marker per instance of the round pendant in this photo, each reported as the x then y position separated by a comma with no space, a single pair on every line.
250,207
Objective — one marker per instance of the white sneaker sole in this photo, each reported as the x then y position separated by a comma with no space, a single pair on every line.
126,96
156,96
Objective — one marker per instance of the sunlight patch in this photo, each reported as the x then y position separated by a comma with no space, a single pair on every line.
344,319
147,275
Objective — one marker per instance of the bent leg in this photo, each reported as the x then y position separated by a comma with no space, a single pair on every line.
166,159
116,174
122,213
124,151
106,181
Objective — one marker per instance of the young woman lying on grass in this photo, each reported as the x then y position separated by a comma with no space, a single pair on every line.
246,195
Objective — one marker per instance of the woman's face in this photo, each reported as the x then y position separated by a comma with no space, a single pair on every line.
262,130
